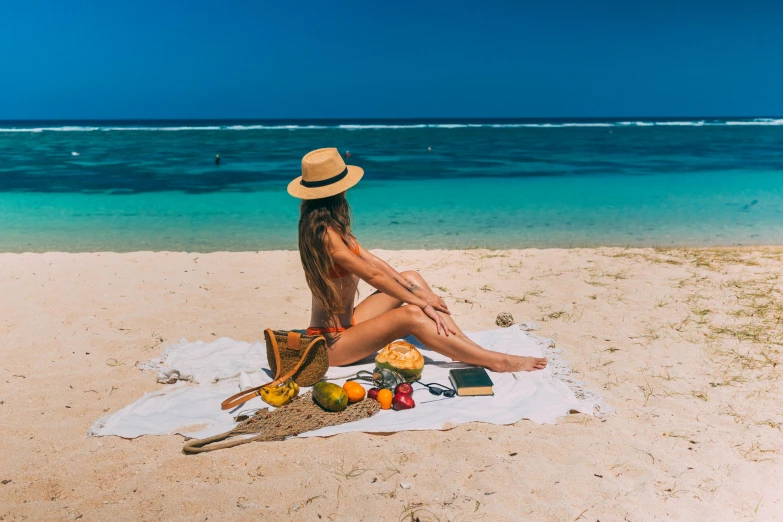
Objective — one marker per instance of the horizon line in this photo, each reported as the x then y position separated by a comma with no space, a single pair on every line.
375,119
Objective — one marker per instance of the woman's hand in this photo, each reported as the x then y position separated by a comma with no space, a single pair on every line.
440,324
437,303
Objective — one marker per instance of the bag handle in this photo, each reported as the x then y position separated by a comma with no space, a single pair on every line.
194,446
246,395
228,439
275,350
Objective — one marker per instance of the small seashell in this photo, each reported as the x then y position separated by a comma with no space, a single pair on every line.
504,320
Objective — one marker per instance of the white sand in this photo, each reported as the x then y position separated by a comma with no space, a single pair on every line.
685,345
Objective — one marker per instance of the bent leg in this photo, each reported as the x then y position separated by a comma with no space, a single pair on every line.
380,303
373,334
374,305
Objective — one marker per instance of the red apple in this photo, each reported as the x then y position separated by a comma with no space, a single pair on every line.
402,401
404,388
372,393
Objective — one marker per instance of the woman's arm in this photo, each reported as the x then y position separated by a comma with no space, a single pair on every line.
412,287
379,279
371,273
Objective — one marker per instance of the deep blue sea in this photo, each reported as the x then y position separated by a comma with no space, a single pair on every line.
154,185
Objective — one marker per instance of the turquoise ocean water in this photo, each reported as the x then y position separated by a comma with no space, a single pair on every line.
125,186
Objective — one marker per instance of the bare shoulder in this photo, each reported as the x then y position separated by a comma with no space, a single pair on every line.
334,241
333,236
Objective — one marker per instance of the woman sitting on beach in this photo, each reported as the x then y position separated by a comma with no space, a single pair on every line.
334,262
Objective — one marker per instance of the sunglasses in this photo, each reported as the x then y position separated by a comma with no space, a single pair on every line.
438,389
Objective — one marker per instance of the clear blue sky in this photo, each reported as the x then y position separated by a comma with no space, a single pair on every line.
92,59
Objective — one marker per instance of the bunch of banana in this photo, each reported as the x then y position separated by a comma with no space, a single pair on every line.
279,395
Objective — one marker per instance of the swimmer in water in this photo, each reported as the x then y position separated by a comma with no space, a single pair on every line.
217,159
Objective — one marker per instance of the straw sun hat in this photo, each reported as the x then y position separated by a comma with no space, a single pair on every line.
324,174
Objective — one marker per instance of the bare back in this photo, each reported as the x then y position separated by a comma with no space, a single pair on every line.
320,318
347,284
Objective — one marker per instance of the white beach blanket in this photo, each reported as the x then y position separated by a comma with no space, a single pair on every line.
204,374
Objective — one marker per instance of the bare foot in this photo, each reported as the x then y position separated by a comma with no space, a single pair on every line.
518,363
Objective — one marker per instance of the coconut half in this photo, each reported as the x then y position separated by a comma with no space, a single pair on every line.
403,358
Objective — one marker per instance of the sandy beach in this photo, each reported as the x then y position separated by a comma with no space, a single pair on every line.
683,344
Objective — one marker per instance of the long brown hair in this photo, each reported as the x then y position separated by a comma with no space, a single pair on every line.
315,216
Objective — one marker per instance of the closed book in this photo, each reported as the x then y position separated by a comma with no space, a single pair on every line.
471,382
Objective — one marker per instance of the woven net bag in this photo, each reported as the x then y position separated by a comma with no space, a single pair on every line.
300,415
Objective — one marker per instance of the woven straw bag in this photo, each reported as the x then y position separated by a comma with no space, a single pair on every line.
291,355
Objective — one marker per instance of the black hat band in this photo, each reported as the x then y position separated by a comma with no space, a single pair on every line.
324,182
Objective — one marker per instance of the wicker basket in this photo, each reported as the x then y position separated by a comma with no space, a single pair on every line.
284,351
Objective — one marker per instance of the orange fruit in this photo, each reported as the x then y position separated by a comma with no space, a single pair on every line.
354,391
385,398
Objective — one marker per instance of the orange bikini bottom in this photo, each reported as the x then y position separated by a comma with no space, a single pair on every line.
315,330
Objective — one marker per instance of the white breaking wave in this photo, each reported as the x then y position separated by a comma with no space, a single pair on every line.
51,129
588,125
161,129
382,126
72,129
274,127
684,123
759,121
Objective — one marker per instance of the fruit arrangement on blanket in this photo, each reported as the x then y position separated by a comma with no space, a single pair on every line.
397,365
332,397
